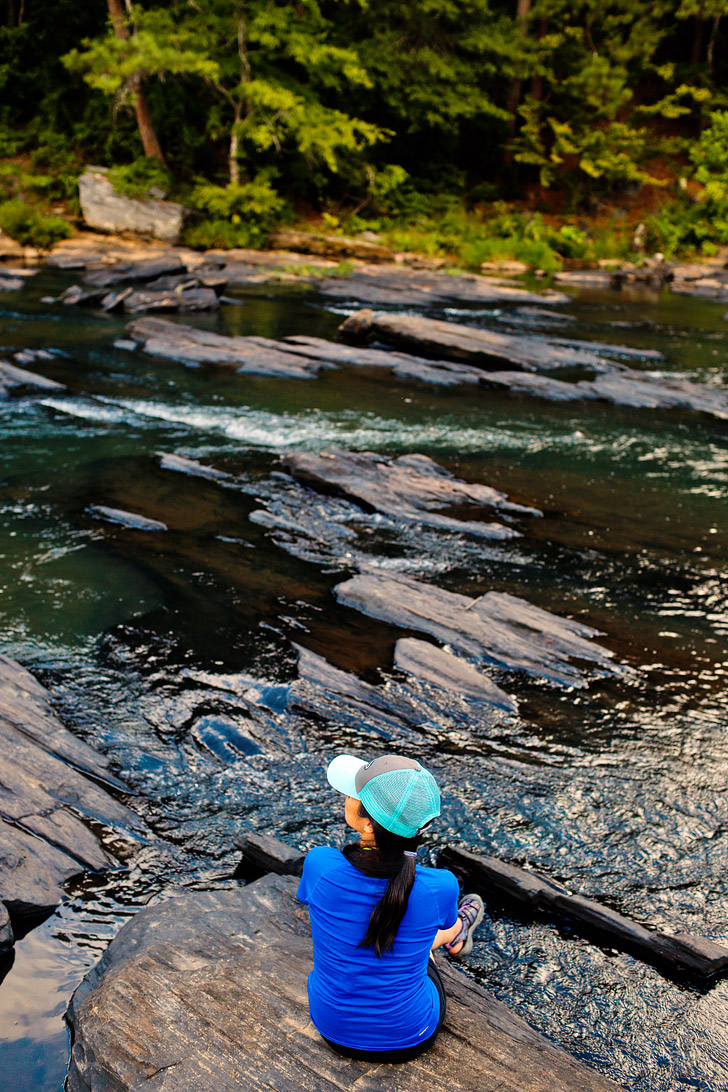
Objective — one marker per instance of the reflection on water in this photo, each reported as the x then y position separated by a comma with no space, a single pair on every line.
172,651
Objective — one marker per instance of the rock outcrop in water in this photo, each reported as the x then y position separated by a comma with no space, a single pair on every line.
52,800
207,991
132,520
689,954
411,488
497,628
468,347
15,380
402,287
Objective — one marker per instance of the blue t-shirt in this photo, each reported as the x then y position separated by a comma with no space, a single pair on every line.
355,998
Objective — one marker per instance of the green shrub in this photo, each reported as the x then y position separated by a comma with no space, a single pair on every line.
31,228
236,215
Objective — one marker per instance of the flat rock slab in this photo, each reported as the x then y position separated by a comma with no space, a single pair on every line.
694,955
468,344
132,520
52,801
185,344
429,702
496,628
410,488
441,668
15,380
207,991
402,287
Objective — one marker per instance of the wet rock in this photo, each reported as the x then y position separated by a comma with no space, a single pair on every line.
115,299
188,345
6,930
466,344
14,380
270,854
496,628
183,465
705,280
52,802
10,284
131,520
429,702
330,246
436,665
190,299
586,278
147,269
410,488
106,210
207,991
694,955
401,287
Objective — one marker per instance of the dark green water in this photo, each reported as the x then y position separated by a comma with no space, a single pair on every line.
619,790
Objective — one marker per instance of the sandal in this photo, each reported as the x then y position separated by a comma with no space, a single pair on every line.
470,912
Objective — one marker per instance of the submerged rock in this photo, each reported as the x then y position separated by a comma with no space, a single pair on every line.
441,668
131,520
409,488
52,801
207,991
496,628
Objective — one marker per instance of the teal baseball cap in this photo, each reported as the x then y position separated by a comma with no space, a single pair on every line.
397,792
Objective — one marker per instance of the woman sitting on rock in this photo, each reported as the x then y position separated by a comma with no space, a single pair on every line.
374,992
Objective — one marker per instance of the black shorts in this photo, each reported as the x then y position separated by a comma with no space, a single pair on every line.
407,1053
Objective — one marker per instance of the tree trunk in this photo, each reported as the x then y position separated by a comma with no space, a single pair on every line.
233,165
523,10
711,43
152,147
698,36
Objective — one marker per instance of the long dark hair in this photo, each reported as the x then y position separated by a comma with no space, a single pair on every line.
387,861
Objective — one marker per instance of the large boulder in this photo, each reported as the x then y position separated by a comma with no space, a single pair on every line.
207,992
106,210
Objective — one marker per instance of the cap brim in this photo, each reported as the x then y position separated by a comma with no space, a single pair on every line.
342,772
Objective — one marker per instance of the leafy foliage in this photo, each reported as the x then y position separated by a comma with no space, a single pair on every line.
31,228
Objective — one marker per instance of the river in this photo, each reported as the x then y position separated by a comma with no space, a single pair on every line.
618,790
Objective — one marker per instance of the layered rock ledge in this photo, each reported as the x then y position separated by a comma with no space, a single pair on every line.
207,991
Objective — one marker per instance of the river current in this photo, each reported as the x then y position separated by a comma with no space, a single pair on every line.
618,790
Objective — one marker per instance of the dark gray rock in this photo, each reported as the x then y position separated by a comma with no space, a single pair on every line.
190,299
441,340
183,465
429,702
106,210
132,520
185,344
496,628
411,488
695,955
52,811
270,854
402,287
207,991
441,668
146,270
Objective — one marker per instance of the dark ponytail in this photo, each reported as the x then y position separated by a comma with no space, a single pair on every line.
388,860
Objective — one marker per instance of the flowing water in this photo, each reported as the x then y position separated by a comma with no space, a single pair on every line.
618,789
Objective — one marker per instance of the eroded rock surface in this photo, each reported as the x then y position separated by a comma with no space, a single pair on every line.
15,380
410,488
207,991
52,802
496,628
402,287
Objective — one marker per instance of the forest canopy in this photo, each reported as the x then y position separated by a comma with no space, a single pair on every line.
427,112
